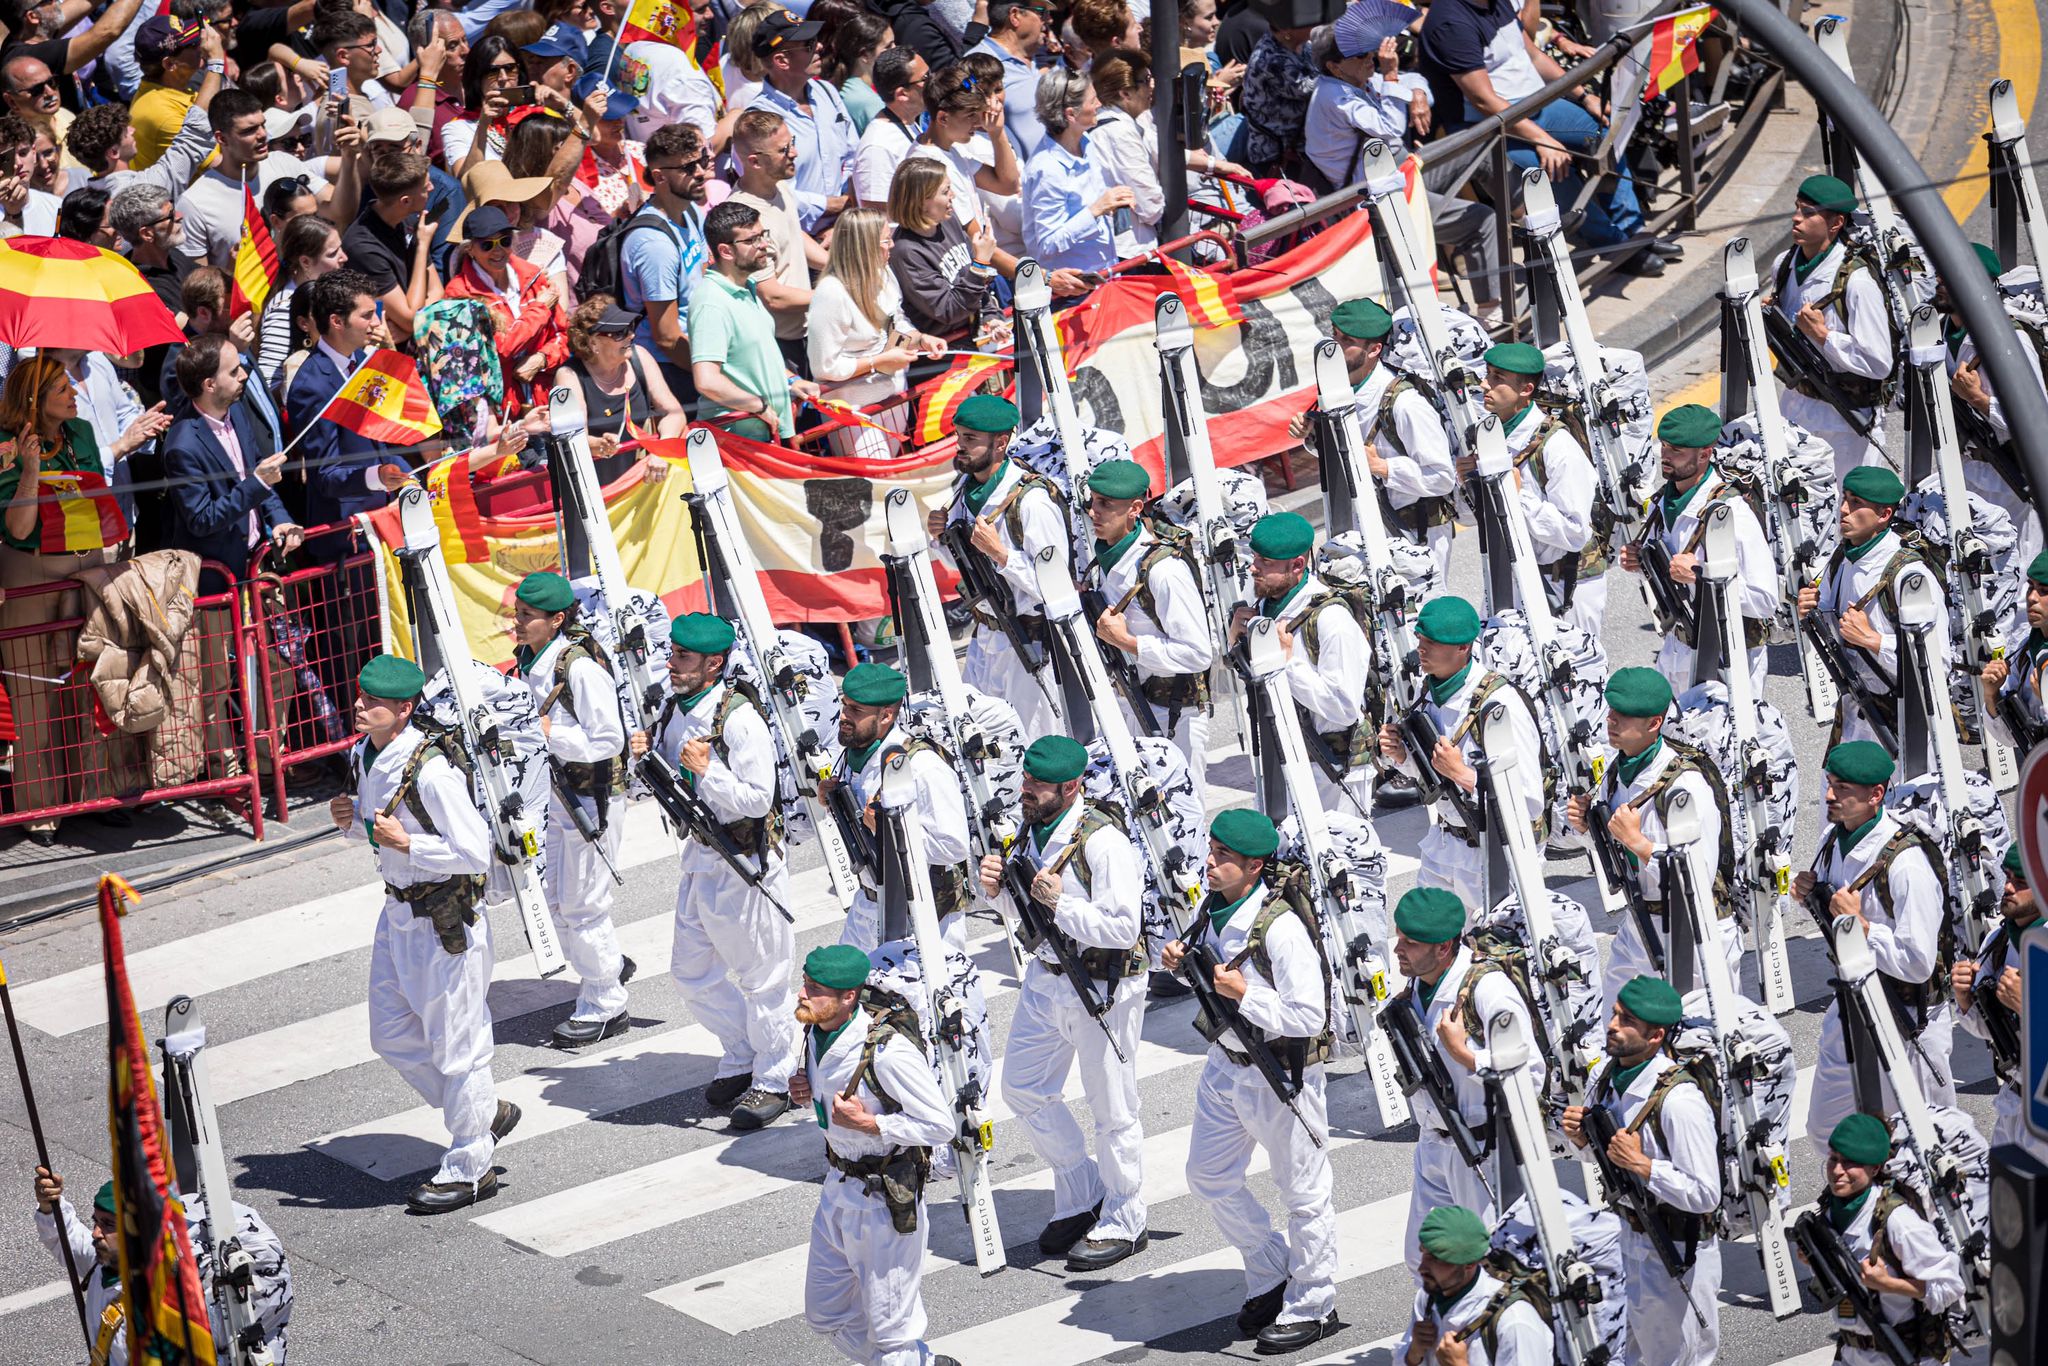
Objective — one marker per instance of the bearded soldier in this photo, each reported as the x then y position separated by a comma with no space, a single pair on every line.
1459,692
1988,995
1693,484
1833,297
1146,575
866,1078
1464,1315
578,702
430,964
733,948
1668,1140
1888,876
1268,965
1012,515
1089,891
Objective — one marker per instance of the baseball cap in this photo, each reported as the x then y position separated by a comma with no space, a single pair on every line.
781,28
163,34
484,221
560,40
282,123
616,321
390,125
621,103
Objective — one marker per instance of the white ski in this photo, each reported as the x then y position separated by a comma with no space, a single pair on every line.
1749,379
733,572
438,637
1366,969
2015,193
1750,1164
1038,344
974,1135
1188,434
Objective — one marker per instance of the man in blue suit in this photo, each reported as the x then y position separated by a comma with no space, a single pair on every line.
345,473
223,473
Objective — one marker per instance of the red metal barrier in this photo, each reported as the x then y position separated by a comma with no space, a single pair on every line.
316,627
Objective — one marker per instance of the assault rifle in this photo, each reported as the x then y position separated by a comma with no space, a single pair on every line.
1037,926
1198,969
1122,669
590,827
1422,1069
1419,733
1837,1278
1828,646
1802,360
2020,719
1632,1193
683,806
984,589
1674,608
1612,865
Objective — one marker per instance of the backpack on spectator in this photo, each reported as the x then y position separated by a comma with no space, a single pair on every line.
604,269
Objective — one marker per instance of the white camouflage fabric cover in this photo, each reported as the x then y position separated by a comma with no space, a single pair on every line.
818,700
1780,1068
595,612
899,969
511,704
1244,501
1956,1137
1357,847
1642,453
1341,563
1406,352
1706,721
1506,647
1186,824
1918,802
924,717
1597,1233
1588,1011
1927,509
1037,448
1817,519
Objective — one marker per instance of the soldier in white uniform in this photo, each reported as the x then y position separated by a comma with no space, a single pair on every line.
1693,484
1408,451
2015,686
1857,591
1464,1315
1015,514
1146,574
1837,302
733,948
1887,876
866,1078
430,964
1649,767
1989,988
1278,987
1328,656
1972,388
1457,692
1669,1139
1916,1275
1088,885
1555,486
578,702
1453,995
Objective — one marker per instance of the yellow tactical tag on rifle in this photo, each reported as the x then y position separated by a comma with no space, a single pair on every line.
1779,1173
987,1135
1379,986
530,842
1781,881
1599,768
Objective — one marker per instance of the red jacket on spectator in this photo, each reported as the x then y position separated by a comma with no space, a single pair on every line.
540,328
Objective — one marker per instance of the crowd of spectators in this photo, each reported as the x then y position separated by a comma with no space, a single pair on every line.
813,205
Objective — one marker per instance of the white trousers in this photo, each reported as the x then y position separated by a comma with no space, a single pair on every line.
1049,1034
1588,610
731,965
1834,1082
430,1017
1442,1178
1627,959
1818,416
1190,735
864,1287
993,667
1448,862
1234,1111
579,895
1661,1330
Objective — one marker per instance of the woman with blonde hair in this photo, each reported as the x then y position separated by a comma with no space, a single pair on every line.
860,343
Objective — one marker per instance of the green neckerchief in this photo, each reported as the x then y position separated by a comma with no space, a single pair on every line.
857,756
1842,1213
1674,501
2035,643
1425,991
690,704
821,1044
1443,692
524,655
371,749
1626,767
1848,839
1273,607
109,1275
1619,1078
1219,916
1442,1305
1517,420
1802,267
1956,337
1853,553
976,495
1042,831
1107,554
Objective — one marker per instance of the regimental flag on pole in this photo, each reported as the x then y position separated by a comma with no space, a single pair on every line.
255,260
384,400
936,405
1211,300
455,511
1674,48
165,1312
660,21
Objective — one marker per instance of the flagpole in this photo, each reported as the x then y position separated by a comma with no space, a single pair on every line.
35,1128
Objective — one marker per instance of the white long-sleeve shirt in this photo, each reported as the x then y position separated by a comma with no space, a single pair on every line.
1757,572
594,730
839,336
1559,508
738,786
463,844
1127,150
1330,687
1042,523
922,1117
1417,449
1104,914
1449,714
1921,1256
1177,641
1846,583
1290,1003
1491,994
1905,941
1682,1143
1521,1337
1859,344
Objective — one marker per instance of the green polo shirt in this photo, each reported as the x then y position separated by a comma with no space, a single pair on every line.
733,329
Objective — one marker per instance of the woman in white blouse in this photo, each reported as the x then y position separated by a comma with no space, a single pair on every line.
1125,140
860,344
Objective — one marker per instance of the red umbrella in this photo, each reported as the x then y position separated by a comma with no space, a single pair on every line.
57,292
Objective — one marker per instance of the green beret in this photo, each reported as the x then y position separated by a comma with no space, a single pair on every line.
546,592
2016,862
1362,318
1874,484
2037,568
1988,258
1638,692
1454,1234
1862,1139
1120,479
1517,358
1430,915
391,678
701,633
986,413
1690,424
1448,621
104,1199
1056,759
873,685
841,967
1652,1000
1245,831
1283,536
1826,192
1861,761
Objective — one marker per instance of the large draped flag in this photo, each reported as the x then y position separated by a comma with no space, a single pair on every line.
937,403
255,260
384,400
455,512
1675,48
161,1299
1210,297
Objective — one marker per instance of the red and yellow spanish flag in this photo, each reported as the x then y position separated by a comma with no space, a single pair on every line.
1674,48
462,529
937,404
384,400
76,512
660,21
1211,300
165,1311
255,260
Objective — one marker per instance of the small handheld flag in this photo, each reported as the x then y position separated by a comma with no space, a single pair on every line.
384,400
1674,49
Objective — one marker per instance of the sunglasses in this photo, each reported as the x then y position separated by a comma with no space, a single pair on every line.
502,68
498,243
45,86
